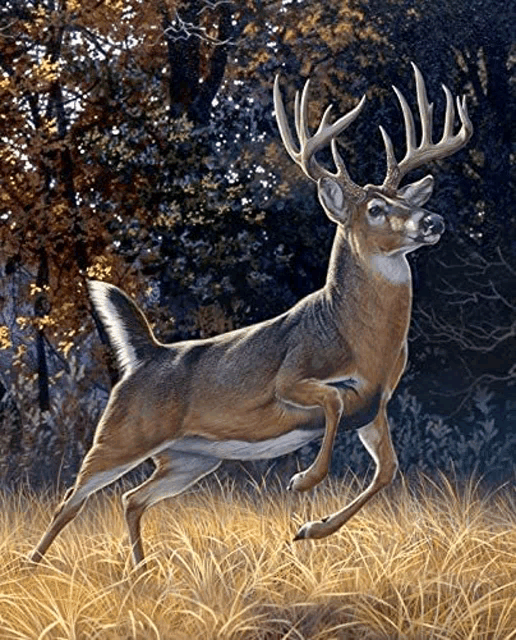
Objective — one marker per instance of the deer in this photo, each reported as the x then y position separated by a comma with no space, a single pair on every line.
259,392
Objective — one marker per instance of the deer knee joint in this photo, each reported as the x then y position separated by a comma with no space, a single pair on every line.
387,472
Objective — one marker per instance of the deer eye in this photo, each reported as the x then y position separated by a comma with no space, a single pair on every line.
375,210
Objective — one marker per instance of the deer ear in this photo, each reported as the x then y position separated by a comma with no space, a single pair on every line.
331,196
417,193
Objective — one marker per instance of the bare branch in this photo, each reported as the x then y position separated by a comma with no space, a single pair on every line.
213,5
179,29
470,337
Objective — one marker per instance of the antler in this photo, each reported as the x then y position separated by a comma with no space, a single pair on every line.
309,145
415,155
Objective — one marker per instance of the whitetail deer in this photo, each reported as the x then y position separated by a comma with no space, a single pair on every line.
268,389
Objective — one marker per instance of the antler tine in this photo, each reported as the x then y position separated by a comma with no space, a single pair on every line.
416,156
342,173
392,175
281,119
425,108
410,128
309,145
301,115
466,130
450,113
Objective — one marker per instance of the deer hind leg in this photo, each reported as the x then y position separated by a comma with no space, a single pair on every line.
311,393
376,438
99,468
175,472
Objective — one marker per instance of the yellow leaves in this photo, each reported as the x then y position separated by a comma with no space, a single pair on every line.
59,209
115,5
325,24
369,33
18,360
34,290
73,5
5,83
49,127
169,219
47,71
23,321
349,16
261,57
283,189
57,323
235,191
39,76
190,189
38,322
40,17
207,182
251,29
67,342
306,68
21,350
65,346
343,30
7,156
311,22
290,35
179,130
5,342
100,269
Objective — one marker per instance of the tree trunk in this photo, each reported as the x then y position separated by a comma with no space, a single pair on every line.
40,310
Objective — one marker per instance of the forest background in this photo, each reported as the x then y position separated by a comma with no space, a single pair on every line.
138,145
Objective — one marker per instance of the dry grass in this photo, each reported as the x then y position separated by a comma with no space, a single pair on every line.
436,563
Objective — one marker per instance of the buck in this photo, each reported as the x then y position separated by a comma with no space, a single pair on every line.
268,389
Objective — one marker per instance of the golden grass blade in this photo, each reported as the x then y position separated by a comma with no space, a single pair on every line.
436,562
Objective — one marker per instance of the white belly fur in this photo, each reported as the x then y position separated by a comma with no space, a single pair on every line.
242,450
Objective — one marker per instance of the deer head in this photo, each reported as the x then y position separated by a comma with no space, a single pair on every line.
382,219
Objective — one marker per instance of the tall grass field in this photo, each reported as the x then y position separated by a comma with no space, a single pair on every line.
424,560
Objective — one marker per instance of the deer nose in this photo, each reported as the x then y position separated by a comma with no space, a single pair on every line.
432,224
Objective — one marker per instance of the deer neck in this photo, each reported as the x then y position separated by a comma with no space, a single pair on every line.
344,275
368,287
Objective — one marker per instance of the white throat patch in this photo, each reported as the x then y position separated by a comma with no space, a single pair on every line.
394,268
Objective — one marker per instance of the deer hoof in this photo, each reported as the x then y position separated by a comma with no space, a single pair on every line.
301,534
300,482
312,530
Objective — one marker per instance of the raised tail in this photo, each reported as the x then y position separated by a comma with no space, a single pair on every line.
128,330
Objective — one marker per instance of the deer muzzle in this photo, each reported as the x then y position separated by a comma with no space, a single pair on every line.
432,227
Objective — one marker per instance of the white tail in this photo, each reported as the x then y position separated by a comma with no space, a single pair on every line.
334,358
128,330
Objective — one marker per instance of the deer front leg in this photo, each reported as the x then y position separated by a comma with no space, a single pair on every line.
377,440
308,394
